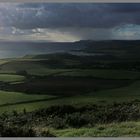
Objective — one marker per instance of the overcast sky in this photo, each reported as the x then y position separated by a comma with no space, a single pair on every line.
69,22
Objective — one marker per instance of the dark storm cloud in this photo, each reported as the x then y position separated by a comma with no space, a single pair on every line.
58,15
122,7
69,21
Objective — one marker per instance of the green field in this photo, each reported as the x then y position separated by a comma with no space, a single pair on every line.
11,78
32,67
103,73
126,93
130,93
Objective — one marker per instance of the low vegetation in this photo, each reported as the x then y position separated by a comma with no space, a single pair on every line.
88,120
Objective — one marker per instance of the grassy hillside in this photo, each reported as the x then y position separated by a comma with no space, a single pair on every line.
104,86
130,93
125,129
11,78
7,98
102,73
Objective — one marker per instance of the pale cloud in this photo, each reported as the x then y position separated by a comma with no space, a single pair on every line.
51,35
38,34
127,31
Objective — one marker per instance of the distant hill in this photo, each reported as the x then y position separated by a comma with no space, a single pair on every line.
128,49
107,47
112,44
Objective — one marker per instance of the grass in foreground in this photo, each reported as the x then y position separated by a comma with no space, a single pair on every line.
86,121
123,129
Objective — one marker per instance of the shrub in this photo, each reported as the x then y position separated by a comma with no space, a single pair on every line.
76,120
14,131
60,117
15,113
47,134
58,123
22,72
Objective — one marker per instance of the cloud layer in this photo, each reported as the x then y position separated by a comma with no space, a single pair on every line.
69,21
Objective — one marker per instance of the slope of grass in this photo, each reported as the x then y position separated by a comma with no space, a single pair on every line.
129,93
103,73
16,97
40,71
38,67
132,90
33,67
3,61
11,78
16,65
124,129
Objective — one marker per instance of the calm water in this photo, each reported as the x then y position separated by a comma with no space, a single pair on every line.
19,49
